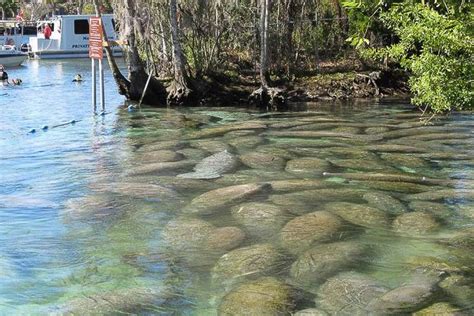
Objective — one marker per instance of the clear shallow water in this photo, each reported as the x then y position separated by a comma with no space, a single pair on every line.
94,215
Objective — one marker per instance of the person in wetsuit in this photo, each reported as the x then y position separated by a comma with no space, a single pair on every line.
3,75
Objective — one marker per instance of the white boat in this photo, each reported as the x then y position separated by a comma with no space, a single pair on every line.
11,57
69,37
17,33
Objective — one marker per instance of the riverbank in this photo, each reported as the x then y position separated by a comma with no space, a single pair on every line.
344,79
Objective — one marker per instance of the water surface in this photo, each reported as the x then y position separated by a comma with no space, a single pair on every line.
96,215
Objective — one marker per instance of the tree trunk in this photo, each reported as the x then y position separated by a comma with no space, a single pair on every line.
133,88
179,92
266,97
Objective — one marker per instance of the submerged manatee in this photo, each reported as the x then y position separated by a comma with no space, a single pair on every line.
212,167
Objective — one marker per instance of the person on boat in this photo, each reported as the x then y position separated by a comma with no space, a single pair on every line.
47,31
3,75
77,78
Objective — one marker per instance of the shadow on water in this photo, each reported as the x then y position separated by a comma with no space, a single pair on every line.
195,211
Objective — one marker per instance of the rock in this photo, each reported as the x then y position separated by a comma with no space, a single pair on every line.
184,186
346,130
275,151
348,293
247,262
321,262
199,242
311,312
213,201
263,297
212,167
307,166
415,223
436,265
384,202
439,309
359,214
239,133
436,209
124,301
90,207
261,220
403,187
258,160
161,145
303,231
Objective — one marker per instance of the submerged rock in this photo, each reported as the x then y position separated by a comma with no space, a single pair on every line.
212,146
307,166
212,167
261,220
321,262
359,214
349,293
137,189
444,194
258,160
160,167
158,156
303,231
263,297
415,223
215,200
247,262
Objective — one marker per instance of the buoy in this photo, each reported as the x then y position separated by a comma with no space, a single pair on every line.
45,127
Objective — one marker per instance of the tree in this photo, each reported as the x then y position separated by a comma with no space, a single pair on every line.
179,91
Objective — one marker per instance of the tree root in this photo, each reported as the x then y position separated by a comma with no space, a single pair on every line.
180,94
270,99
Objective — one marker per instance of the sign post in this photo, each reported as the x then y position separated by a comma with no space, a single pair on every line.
96,52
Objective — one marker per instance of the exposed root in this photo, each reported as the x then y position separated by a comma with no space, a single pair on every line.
270,99
179,94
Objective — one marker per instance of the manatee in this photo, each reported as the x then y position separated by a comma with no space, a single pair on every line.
303,231
415,223
384,202
322,261
264,297
261,220
212,167
212,201
349,293
247,262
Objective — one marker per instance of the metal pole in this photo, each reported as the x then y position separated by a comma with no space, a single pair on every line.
101,79
94,93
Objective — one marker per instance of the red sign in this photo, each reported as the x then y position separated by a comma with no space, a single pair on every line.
95,38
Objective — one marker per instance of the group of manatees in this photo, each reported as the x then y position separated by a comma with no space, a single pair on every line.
309,213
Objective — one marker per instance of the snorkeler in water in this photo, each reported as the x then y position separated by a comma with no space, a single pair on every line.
77,78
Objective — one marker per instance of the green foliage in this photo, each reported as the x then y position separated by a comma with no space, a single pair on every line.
435,43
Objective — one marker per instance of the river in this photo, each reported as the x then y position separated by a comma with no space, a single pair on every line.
115,214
